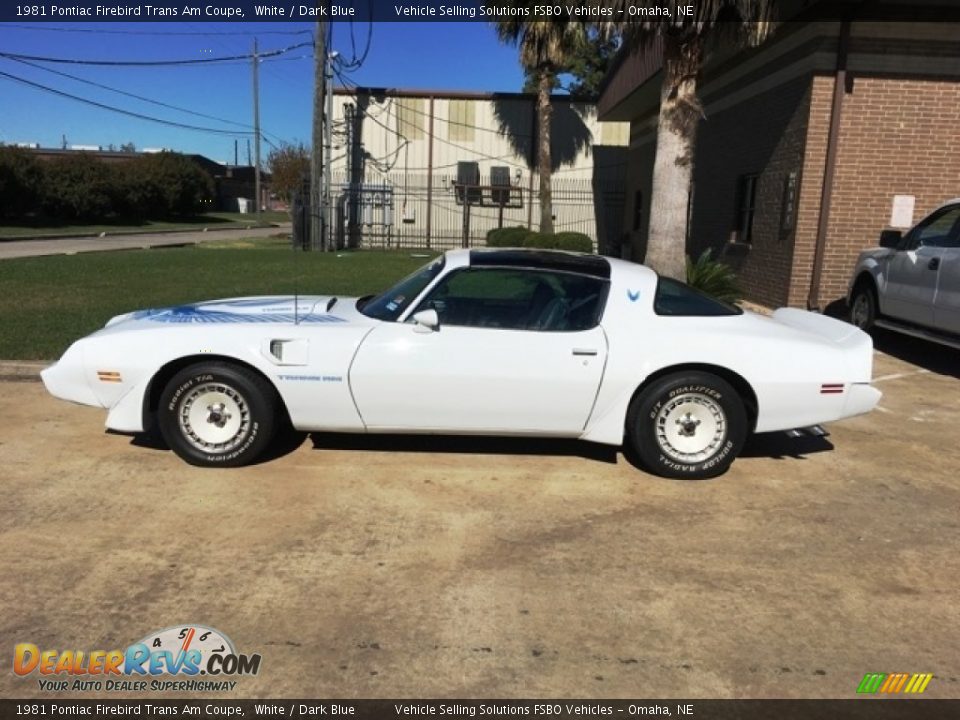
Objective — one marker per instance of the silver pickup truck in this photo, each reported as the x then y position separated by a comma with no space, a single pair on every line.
911,283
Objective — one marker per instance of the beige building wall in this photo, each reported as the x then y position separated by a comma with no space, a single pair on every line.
412,142
491,130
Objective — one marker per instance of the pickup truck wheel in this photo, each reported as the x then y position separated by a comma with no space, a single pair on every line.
687,425
863,307
217,415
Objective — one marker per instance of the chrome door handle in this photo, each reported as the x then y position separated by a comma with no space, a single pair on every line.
584,351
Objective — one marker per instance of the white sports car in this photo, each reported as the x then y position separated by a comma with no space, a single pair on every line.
484,342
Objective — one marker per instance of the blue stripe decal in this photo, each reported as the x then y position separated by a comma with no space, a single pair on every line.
191,314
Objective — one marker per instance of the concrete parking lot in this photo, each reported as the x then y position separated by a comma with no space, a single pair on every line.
418,567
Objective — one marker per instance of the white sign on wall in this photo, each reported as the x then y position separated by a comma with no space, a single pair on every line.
901,214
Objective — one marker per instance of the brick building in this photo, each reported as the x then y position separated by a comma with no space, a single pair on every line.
775,132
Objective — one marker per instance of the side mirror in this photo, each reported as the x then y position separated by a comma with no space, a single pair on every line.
891,239
427,320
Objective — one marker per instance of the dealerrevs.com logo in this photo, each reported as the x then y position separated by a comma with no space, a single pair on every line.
183,657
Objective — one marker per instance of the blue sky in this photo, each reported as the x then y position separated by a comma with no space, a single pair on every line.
447,56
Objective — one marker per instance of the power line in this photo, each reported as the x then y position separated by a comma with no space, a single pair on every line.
138,97
356,62
182,33
130,113
151,63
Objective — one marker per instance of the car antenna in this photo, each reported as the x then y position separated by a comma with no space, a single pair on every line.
296,279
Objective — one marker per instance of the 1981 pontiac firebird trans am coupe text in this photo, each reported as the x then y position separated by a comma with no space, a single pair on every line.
481,342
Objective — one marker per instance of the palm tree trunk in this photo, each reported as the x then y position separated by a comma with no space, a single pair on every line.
680,113
544,161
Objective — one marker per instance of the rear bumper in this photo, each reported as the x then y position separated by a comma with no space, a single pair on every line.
861,398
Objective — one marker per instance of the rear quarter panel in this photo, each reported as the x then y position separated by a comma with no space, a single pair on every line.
784,367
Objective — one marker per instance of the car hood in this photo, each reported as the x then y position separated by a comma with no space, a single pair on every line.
310,309
876,253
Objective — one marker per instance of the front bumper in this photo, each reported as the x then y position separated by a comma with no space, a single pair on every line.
67,378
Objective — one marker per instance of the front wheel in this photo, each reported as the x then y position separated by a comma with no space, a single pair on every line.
687,425
863,307
217,415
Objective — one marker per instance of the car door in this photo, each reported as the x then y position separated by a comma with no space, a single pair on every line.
515,351
912,272
946,305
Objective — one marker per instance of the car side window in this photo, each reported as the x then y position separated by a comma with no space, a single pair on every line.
679,299
939,230
518,299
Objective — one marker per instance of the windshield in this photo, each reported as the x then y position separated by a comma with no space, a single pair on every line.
389,305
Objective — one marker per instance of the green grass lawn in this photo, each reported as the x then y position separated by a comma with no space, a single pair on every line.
42,227
48,302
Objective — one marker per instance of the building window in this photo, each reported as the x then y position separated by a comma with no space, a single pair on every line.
410,118
461,120
746,205
637,209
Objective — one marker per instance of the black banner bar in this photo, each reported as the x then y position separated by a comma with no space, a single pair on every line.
309,11
443,709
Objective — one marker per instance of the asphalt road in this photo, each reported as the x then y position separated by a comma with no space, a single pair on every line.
70,246
385,567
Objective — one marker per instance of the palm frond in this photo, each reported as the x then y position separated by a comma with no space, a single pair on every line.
713,277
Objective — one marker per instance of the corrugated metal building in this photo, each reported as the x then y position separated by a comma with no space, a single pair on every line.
402,152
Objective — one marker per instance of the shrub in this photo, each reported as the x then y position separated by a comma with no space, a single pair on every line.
163,185
507,237
521,237
713,277
21,182
574,242
543,241
78,187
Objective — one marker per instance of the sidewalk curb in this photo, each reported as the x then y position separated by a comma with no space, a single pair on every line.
22,370
127,233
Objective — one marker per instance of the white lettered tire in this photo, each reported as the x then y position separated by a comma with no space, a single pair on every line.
216,414
687,425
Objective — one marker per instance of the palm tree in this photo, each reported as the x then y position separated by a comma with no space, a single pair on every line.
683,40
545,47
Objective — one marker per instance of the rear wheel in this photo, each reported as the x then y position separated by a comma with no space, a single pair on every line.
217,414
687,425
863,306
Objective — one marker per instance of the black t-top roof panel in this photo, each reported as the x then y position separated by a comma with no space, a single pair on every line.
593,265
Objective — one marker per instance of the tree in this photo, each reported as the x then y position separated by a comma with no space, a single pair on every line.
586,65
288,165
545,47
684,41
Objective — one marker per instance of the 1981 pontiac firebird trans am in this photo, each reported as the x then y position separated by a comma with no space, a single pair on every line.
481,342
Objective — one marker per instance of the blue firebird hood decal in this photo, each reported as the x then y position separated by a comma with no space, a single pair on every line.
199,314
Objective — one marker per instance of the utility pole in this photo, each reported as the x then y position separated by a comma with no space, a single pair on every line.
348,216
256,127
328,157
316,140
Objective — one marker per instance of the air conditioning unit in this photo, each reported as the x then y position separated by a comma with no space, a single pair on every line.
468,173
500,178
